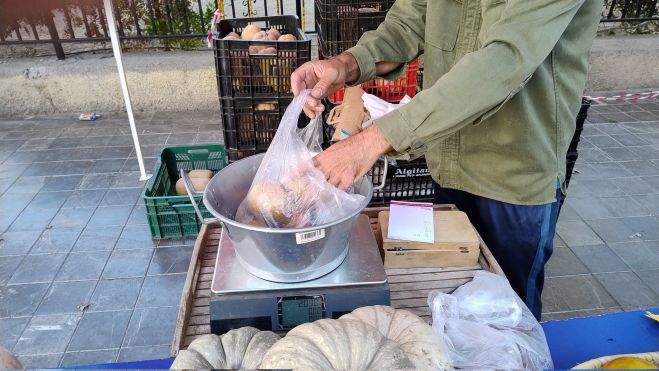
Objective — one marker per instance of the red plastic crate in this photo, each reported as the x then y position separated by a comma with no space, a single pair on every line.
390,91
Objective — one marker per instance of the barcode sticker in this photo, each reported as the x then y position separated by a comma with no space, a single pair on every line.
305,237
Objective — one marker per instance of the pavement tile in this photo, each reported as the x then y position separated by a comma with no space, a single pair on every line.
646,152
563,262
151,326
647,226
612,129
167,260
568,212
62,183
21,300
78,167
128,263
591,208
12,328
629,139
86,265
121,196
17,243
97,181
643,116
85,198
138,215
594,188
650,202
562,294
628,289
650,277
577,233
72,218
638,255
24,157
48,200
611,230
65,143
640,168
8,265
100,330
633,186
599,259
137,236
97,239
607,170
161,291
41,361
94,141
107,166
618,117
652,180
603,141
41,168
182,138
56,240
142,353
110,215
65,297
36,144
89,357
115,294
621,154
37,268
128,179
26,185
47,334
626,206
112,152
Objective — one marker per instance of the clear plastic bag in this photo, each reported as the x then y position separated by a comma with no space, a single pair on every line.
287,190
484,324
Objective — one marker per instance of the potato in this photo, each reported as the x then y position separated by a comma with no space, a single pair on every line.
261,35
200,173
268,50
265,107
199,184
273,34
243,215
287,37
249,31
268,199
231,36
256,49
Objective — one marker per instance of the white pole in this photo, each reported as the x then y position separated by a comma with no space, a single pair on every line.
116,49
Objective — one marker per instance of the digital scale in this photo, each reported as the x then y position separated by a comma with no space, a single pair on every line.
240,299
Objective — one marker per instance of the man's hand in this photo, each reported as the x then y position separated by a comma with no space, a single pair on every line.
324,77
347,161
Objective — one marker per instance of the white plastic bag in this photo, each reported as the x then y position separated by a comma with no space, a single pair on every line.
287,190
484,324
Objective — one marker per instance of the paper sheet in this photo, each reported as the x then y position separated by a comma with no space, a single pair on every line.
411,221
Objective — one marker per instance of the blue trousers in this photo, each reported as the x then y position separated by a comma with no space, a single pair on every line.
520,237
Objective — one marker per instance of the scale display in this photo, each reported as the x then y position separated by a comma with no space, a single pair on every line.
296,310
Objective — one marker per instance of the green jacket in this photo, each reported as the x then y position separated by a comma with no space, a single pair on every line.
502,87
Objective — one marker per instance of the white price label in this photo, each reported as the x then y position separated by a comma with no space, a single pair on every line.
305,237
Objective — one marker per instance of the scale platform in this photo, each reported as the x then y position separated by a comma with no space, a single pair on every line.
240,299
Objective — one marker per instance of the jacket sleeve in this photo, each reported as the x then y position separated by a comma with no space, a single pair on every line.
481,81
400,38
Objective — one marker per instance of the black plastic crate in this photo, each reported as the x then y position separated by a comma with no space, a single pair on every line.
251,123
405,181
340,23
241,74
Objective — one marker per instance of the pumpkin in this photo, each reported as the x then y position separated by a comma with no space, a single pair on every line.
200,173
413,335
335,344
241,348
199,184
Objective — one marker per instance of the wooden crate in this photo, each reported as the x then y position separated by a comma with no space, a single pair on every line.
409,287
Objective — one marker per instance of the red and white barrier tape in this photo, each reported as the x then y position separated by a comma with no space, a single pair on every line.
626,97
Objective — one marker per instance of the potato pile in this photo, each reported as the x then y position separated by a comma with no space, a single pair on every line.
199,179
254,32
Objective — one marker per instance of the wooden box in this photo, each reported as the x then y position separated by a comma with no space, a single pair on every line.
456,244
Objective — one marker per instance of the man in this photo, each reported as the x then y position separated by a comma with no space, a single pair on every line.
502,86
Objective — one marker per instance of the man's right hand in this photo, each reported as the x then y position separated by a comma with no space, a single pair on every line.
324,77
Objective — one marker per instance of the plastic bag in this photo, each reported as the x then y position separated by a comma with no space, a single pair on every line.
287,190
377,107
484,324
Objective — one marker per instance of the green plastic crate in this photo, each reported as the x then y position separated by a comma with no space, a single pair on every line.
170,215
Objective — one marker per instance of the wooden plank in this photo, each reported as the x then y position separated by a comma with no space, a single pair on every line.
200,320
409,303
431,276
200,311
413,294
442,284
397,271
198,329
187,294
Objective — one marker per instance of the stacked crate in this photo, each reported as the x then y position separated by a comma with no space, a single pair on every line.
254,89
340,24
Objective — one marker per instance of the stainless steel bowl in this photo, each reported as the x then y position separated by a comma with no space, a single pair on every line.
275,254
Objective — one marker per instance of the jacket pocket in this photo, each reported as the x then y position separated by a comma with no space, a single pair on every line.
443,19
491,11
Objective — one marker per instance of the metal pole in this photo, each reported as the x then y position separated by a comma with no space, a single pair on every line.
114,38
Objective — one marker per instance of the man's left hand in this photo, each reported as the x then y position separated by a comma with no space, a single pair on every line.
347,161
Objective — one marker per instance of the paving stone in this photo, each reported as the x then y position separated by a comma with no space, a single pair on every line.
650,277
37,268
12,170
625,206
599,259
612,129
56,240
591,208
564,263
41,168
21,300
25,157
633,186
594,188
607,170
30,220
562,294
112,152
47,334
621,154
176,242
84,198
97,181
17,243
642,168
62,183
142,353
603,141
646,152
94,141
630,139
72,218
161,291
8,265
65,297
647,226
128,263
110,215
643,116
628,289
183,138
652,180
89,357
611,230
48,200
83,266
151,326
567,211
26,185
618,117
36,144
115,294
120,140
100,330
167,260
97,239
107,166
41,361
12,328
136,236
638,255
577,233
121,196
593,155
128,179
138,215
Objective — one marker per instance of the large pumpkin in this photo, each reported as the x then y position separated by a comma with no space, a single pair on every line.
335,344
241,348
412,334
